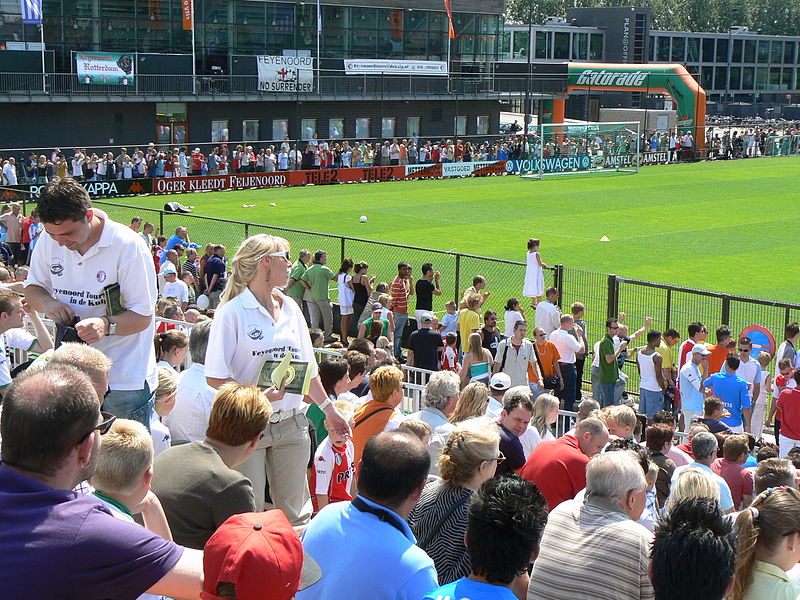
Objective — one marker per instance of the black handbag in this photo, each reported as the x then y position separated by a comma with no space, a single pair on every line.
549,382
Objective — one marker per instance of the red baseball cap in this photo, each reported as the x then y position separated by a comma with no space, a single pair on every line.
261,555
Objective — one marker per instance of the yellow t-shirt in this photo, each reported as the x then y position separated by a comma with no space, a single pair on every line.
668,360
467,321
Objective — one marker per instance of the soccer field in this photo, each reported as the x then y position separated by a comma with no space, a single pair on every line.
721,226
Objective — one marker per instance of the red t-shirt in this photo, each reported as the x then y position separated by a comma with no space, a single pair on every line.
399,296
558,468
789,410
686,447
739,479
197,160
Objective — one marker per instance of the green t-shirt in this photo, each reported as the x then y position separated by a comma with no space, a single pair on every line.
368,326
297,289
609,372
318,276
317,417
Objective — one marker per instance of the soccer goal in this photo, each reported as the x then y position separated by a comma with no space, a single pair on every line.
580,148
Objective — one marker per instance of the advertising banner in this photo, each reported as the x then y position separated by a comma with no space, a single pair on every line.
187,15
285,73
456,169
209,183
394,67
562,163
96,189
106,68
324,176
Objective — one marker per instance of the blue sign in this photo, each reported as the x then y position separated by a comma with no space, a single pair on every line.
563,163
763,340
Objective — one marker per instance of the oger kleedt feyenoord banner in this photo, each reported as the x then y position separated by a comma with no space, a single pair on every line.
285,73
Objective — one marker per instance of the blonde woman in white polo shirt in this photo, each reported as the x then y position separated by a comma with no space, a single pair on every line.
254,323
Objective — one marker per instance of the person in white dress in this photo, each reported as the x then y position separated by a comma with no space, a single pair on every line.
346,295
534,276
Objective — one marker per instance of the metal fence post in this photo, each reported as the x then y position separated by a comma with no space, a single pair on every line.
668,308
342,246
247,230
613,301
558,279
161,221
726,310
458,277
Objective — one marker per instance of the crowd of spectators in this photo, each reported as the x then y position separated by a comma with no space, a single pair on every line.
262,472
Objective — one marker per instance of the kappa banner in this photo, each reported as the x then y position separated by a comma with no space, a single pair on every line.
107,68
457,169
285,73
395,67
96,189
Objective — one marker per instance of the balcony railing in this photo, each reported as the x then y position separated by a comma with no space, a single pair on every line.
338,86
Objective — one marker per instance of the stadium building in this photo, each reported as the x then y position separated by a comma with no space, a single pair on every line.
130,71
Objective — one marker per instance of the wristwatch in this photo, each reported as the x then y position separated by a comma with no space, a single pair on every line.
112,327
324,404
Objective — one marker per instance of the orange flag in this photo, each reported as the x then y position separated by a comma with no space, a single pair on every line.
449,8
188,18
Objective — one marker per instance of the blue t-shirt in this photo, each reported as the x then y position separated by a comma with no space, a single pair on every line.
215,266
467,589
732,390
365,558
60,544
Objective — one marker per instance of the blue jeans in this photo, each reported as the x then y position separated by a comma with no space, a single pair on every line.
136,405
400,320
569,374
607,394
650,402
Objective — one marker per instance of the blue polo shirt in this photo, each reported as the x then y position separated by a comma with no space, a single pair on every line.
474,590
365,558
732,390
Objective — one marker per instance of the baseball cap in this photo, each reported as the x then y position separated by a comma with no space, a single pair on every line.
426,317
261,555
197,149
377,306
700,349
500,382
168,271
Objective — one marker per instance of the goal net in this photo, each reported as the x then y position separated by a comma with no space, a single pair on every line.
573,148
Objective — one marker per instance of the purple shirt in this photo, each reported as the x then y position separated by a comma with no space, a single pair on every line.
59,544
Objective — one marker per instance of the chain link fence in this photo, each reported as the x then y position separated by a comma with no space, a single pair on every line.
603,295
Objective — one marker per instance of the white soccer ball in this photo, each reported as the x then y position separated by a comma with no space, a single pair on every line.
363,218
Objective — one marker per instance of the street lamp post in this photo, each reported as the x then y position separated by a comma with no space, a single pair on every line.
528,101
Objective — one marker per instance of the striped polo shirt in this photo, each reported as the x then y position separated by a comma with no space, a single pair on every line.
399,296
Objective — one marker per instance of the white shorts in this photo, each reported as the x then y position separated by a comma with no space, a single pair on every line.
345,310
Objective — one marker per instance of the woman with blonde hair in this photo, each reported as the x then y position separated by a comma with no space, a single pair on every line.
439,520
255,326
692,482
477,361
471,403
768,546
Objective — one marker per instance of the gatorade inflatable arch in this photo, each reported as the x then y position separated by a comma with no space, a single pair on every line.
673,80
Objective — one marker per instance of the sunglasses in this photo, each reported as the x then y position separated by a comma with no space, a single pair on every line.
744,349
103,428
284,254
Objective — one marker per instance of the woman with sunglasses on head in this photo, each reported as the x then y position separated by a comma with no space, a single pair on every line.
439,520
253,324
768,546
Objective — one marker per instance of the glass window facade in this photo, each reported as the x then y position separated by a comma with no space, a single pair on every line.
224,28
308,128
250,129
362,127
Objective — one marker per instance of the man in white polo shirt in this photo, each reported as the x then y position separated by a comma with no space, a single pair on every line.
568,345
82,252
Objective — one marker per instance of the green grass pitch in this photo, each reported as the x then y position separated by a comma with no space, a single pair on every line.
723,226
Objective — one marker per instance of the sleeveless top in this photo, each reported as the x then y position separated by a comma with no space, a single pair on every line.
647,372
361,297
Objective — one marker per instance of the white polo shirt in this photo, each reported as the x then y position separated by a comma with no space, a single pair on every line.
567,345
118,257
750,371
243,335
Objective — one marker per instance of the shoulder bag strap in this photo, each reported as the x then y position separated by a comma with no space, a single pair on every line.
424,543
505,354
365,417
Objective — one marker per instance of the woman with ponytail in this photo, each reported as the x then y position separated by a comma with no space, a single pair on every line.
439,520
768,546
171,348
255,323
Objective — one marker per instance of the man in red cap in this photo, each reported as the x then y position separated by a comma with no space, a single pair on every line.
256,556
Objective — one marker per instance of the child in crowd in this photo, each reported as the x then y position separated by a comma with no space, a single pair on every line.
164,403
346,295
534,276
785,379
334,373
620,420
418,428
122,478
449,322
317,338
171,348
334,462
450,353
760,403
161,249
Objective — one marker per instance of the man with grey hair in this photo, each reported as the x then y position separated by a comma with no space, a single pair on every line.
558,467
774,472
439,400
585,408
188,419
593,548
704,448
